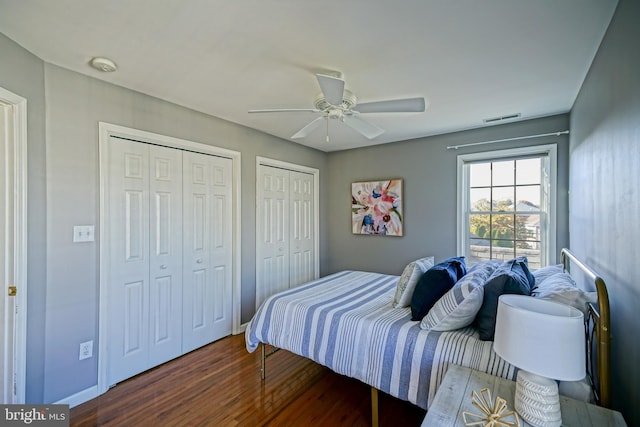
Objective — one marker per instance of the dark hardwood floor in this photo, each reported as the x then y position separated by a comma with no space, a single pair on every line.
220,385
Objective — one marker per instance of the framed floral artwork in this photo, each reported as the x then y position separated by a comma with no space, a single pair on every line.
376,207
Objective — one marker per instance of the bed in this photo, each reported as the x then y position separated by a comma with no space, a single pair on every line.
347,322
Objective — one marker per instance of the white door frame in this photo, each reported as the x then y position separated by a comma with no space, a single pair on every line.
106,130
265,161
16,168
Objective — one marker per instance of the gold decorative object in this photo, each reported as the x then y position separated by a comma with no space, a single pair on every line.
494,414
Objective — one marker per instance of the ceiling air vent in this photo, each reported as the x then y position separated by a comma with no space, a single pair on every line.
501,118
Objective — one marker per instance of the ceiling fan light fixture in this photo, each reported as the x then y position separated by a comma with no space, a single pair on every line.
348,101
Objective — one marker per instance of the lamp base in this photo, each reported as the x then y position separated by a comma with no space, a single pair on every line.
537,400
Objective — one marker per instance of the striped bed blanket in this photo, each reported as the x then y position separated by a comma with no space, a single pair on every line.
345,322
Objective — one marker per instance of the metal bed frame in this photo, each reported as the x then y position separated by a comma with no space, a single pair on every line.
598,332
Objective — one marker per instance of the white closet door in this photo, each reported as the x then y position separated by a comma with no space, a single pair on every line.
145,256
207,249
301,229
165,254
272,273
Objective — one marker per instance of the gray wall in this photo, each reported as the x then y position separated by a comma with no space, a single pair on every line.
23,74
605,191
429,172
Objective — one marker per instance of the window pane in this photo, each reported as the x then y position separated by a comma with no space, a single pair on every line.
502,228
503,199
533,257
528,171
480,174
528,198
480,199
479,227
503,172
503,250
528,227
478,251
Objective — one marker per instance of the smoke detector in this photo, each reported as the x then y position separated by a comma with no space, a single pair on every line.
103,64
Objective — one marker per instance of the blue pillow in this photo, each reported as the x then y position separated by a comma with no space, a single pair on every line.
434,283
512,277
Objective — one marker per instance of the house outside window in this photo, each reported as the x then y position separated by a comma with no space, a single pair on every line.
507,205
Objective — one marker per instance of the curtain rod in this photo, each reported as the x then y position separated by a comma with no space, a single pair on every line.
455,147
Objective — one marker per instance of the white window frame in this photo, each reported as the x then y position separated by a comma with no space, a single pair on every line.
548,243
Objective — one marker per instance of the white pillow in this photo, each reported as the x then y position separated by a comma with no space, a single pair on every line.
459,306
543,273
561,288
407,283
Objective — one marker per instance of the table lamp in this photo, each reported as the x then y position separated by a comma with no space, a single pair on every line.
546,341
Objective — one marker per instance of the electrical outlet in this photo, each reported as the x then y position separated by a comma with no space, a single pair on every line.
86,350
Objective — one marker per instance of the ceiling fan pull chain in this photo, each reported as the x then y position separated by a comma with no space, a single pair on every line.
327,129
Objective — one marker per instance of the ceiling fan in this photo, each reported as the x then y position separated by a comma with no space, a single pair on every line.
336,102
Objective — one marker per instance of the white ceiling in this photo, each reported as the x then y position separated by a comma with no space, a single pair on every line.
470,59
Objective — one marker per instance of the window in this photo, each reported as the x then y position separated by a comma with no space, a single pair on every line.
506,205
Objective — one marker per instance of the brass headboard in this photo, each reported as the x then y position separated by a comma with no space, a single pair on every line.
598,332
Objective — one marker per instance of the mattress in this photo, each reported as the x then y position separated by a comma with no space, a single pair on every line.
345,321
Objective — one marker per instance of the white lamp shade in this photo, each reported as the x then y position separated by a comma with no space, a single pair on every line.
542,337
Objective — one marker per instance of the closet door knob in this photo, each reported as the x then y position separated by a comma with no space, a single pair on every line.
163,267
199,260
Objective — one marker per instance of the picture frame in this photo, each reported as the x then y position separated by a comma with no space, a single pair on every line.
376,207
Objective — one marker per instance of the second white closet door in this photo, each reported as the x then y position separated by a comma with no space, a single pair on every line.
301,228
286,241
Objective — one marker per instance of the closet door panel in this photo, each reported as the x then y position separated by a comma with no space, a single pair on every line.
196,251
301,229
207,249
128,195
222,248
165,235
273,251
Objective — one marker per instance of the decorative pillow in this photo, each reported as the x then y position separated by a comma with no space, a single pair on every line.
561,288
459,306
407,283
542,273
512,277
435,283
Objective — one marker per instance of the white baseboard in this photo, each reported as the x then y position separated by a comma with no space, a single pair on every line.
242,328
79,398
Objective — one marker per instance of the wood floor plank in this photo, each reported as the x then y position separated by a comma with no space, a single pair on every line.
220,385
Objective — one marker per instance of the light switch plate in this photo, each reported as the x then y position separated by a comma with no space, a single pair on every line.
83,233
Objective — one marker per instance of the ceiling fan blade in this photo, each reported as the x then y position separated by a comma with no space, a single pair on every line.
286,110
407,105
362,126
332,88
308,128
